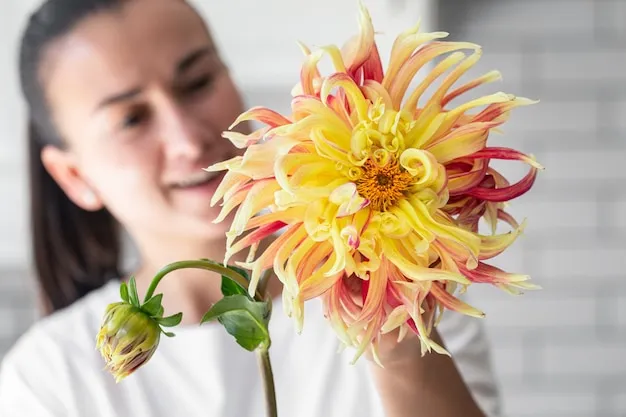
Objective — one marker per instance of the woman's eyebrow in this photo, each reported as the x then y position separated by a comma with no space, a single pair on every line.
193,57
118,97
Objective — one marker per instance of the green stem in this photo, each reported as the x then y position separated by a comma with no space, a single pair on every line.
264,281
197,264
263,352
268,382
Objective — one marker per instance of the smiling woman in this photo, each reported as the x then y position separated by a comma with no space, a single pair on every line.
128,100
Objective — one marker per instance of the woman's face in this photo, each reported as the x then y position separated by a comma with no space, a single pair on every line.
141,98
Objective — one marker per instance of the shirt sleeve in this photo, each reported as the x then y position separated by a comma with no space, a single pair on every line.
466,340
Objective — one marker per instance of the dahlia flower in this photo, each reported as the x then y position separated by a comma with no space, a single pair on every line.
378,190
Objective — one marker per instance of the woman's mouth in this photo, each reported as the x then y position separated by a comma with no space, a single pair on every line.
196,180
202,184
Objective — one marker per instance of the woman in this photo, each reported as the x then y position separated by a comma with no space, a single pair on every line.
127,100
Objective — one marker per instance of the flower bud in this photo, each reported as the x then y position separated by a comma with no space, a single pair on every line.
127,339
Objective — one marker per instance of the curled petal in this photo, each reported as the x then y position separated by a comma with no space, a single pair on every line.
348,200
489,77
506,154
373,67
262,115
242,141
461,142
452,303
399,84
254,237
374,91
352,91
506,193
416,272
459,181
403,47
358,49
491,246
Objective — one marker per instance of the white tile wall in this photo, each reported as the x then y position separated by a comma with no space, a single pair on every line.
559,352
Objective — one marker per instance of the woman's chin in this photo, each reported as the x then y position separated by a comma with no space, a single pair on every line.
204,224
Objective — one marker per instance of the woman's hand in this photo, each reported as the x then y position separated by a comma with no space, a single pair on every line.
412,385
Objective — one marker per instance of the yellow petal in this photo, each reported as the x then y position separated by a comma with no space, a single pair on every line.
316,220
462,141
403,47
489,77
358,49
231,180
262,115
452,303
416,272
352,91
411,66
395,319
440,68
348,200
374,91
260,196
242,141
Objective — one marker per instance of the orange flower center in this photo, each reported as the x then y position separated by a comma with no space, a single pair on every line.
383,185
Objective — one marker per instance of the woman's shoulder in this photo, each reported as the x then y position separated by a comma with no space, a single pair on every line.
42,354
70,325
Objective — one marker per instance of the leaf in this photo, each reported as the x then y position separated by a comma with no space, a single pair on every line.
124,292
132,292
240,271
170,321
153,305
230,287
168,334
244,319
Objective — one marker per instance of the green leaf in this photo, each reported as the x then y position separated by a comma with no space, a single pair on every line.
170,321
124,292
132,292
240,271
244,319
230,287
153,305
168,334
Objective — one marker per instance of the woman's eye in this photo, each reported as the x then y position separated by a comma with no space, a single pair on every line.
133,119
197,84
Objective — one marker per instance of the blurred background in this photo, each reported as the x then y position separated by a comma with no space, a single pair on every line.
558,352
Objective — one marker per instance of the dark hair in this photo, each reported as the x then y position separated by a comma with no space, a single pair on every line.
75,251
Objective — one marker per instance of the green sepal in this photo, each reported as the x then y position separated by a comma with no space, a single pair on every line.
124,292
170,321
133,297
244,319
153,306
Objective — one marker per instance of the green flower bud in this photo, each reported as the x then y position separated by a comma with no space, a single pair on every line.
127,338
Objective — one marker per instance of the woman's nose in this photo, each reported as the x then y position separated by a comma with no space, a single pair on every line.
185,137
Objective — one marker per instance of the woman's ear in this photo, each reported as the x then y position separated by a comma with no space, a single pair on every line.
62,168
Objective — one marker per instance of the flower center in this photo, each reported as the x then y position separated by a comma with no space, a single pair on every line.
383,185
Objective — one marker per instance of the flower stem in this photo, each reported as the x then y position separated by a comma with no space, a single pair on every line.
268,382
263,352
197,264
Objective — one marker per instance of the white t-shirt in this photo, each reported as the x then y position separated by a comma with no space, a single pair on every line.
55,370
